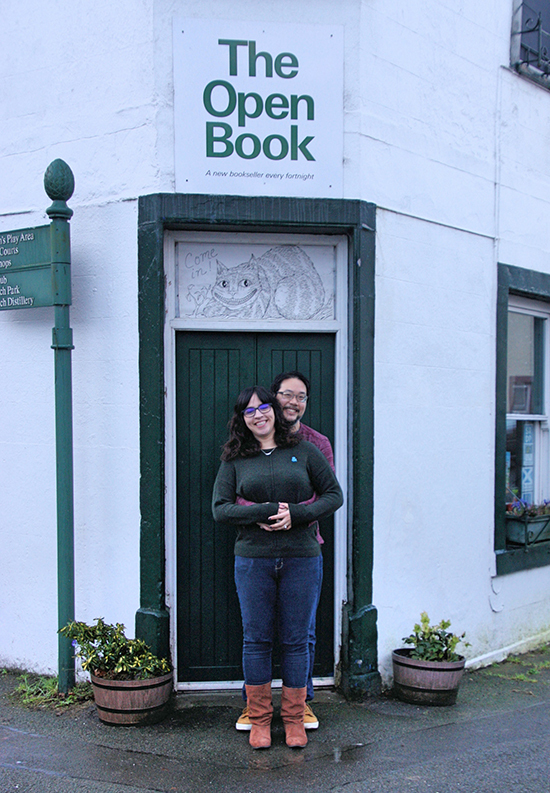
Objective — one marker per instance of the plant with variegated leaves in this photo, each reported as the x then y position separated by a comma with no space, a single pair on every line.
105,651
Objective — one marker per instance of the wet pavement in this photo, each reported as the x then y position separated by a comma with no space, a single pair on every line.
496,738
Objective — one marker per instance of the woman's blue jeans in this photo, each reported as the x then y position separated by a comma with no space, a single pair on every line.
277,594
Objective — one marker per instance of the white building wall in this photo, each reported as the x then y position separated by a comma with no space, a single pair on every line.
475,165
77,82
106,445
523,116
434,437
439,133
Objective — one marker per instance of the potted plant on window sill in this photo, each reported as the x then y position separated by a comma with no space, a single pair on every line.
130,684
429,672
527,524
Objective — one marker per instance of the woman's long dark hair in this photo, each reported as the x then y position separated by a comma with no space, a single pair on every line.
241,441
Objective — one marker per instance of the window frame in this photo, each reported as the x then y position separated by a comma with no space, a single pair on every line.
537,71
517,287
539,309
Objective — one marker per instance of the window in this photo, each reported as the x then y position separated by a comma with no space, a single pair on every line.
526,419
522,444
530,47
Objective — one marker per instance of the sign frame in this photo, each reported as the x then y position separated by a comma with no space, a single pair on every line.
258,108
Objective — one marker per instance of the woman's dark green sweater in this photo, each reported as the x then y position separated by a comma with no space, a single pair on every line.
289,475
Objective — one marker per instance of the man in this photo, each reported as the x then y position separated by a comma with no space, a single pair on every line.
292,392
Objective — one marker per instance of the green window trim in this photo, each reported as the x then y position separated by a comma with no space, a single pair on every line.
536,286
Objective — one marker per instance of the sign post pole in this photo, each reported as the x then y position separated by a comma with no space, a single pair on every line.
59,186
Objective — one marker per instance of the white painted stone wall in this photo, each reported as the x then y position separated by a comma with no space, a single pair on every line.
451,136
78,82
439,133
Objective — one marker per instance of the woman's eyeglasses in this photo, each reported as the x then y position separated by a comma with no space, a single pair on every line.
250,412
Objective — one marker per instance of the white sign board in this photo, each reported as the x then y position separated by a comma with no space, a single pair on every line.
258,108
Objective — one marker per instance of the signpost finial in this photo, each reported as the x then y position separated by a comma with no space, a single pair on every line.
59,186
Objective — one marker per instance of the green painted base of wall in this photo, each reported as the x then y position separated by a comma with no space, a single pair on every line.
153,626
360,687
359,676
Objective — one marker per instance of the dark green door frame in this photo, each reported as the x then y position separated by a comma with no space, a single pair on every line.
358,673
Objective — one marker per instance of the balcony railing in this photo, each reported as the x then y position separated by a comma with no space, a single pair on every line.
531,42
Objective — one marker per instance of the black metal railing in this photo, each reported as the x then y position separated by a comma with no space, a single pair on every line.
534,39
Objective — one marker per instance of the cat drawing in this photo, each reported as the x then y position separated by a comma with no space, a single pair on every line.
282,282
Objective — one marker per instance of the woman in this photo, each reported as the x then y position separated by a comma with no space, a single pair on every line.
278,563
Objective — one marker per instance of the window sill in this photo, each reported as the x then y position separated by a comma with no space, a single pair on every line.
512,560
532,74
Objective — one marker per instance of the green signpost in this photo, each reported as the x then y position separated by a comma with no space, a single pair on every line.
35,272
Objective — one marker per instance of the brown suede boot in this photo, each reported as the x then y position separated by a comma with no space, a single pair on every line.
260,711
293,702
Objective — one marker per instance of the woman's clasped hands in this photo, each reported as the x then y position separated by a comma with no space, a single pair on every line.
281,521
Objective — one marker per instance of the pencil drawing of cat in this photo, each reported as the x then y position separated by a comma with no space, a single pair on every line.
282,282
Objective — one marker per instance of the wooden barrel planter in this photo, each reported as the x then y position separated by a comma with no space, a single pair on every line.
132,701
426,682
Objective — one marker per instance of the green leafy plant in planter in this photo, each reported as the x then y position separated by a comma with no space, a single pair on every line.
105,651
131,685
434,642
429,672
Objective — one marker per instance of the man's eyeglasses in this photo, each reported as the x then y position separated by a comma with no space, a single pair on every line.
287,396
250,412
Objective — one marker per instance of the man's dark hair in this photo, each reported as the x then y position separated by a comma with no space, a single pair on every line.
287,376
241,441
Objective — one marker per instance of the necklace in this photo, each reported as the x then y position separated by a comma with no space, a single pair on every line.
269,452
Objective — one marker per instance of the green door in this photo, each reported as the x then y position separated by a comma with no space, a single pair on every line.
211,369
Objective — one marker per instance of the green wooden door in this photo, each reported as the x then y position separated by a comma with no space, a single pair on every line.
211,369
